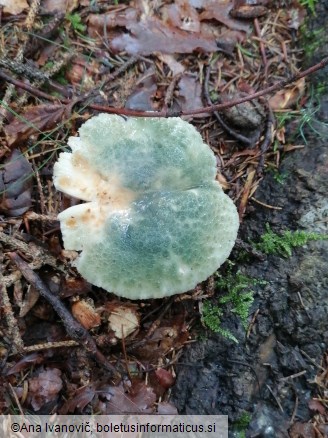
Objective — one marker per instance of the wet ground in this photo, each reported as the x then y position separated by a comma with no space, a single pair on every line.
271,374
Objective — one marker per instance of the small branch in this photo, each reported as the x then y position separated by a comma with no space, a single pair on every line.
8,314
73,328
267,139
164,113
262,48
30,88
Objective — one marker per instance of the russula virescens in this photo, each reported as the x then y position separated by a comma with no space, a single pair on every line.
155,221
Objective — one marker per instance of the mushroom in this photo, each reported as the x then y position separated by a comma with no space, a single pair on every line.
155,221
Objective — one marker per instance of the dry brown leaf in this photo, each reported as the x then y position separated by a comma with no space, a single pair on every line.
172,334
86,314
73,286
316,405
287,97
30,299
152,35
82,73
59,5
15,185
14,7
170,60
80,399
183,15
119,17
143,93
35,120
123,320
296,16
190,92
220,11
44,387
139,398
26,362
302,430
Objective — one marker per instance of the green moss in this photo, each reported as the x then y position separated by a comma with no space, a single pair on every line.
240,426
283,244
239,292
310,4
238,298
76,22
211,318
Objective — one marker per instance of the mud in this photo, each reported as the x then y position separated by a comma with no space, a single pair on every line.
271,373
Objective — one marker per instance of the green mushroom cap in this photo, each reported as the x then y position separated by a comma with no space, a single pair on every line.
155,222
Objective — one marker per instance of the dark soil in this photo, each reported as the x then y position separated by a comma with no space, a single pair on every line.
271,374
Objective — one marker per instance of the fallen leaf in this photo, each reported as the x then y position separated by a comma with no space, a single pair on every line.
86,314
286,98
143,93
82,72
317,406
59,5
220,11
152,35
14,7
80,399
121,16
295,16
302,430
44,387
30,299
183,15
26,362
139,398
175,66
171,334
190,92
123,320
15,185
73,286
34,121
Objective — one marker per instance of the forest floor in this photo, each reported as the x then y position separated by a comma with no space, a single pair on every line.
251,341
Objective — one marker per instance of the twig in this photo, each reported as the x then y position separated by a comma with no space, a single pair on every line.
262,48
30,88
166,113
119,71
48,345
38,255
28,25
16,399
277,86
73,328
7,311
276,399
32,216
273,207
267,139
170,91
245,194
23,69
